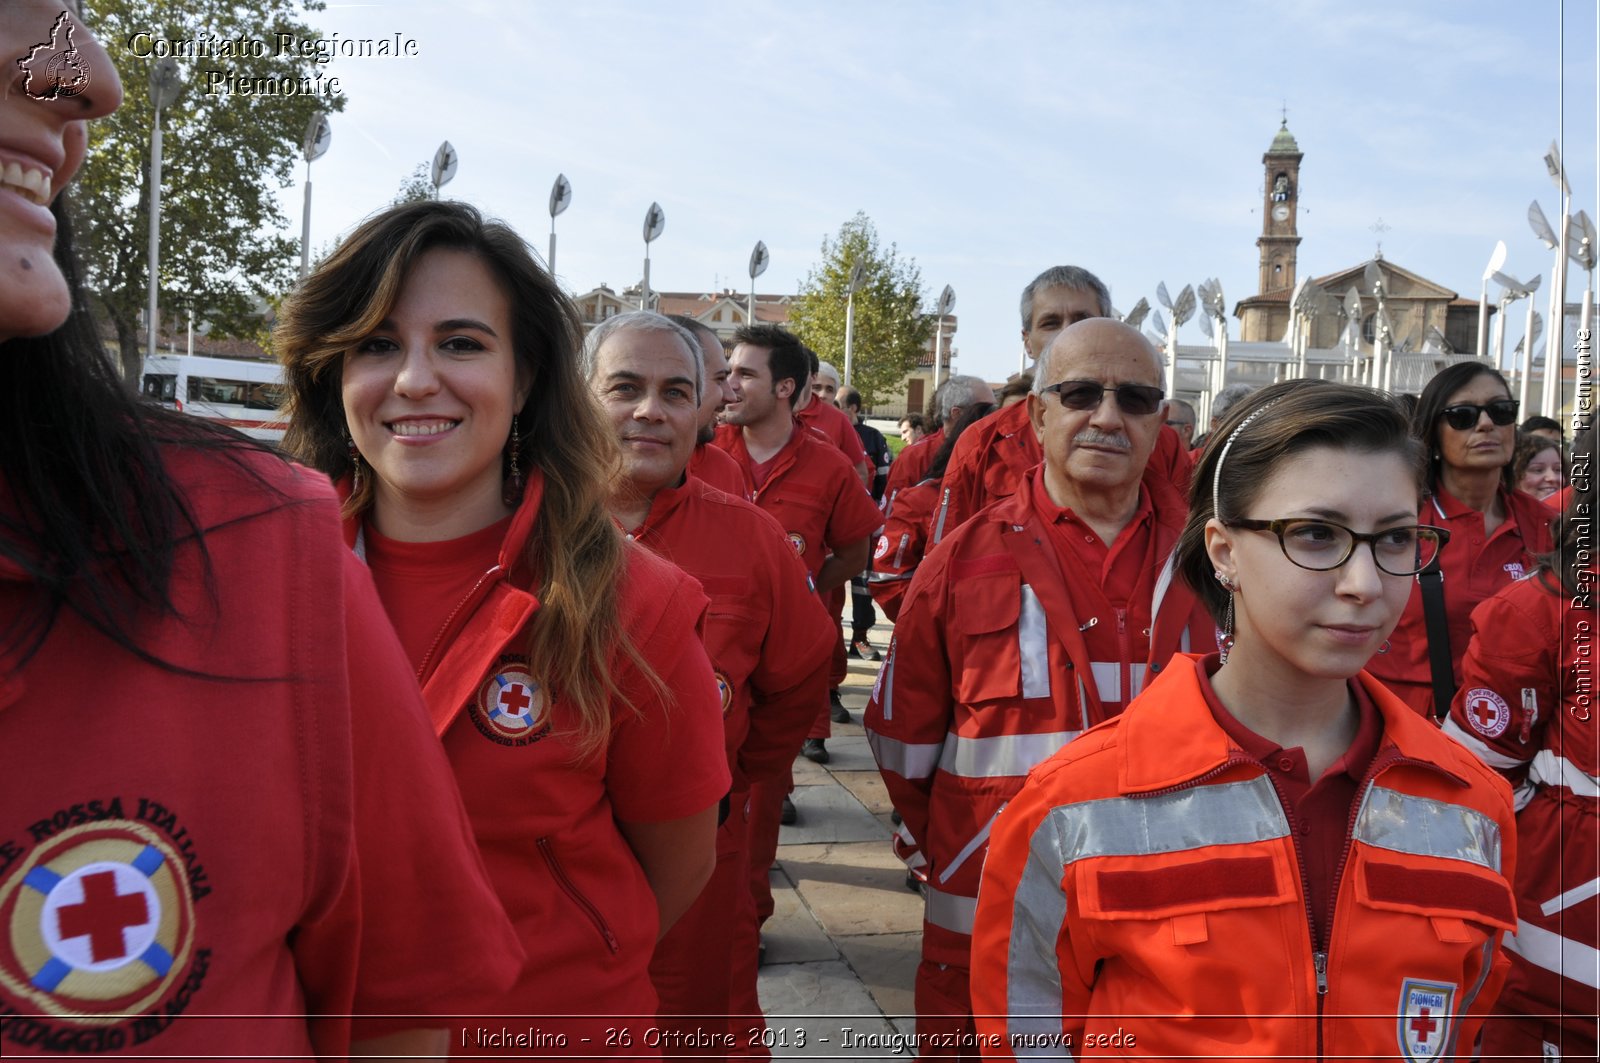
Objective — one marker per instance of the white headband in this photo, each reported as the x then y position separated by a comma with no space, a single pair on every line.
1216,478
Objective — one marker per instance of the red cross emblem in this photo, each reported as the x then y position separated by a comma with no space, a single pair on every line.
1487,712
102,915
514,699
1424,1026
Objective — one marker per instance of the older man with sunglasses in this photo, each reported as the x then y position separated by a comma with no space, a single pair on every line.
1037,619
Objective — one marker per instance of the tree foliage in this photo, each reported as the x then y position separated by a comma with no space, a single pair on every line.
226,247
891,330
418,186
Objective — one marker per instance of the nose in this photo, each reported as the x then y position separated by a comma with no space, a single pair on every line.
1359,577
417,375
1108,415
649,407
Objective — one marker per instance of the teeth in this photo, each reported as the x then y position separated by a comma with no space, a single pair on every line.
421,428
34,184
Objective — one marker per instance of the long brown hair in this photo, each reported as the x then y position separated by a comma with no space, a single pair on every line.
576,552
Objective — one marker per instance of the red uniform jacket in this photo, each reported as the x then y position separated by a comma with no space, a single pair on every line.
713,465
990,672
768,636
908,534
1527,707
835,426
911,466
812,491
216,867
995,455
1146,881
546,822
1475,566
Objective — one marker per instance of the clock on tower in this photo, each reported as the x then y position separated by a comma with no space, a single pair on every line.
1278,241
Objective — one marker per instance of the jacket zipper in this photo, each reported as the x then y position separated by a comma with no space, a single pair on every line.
1319,944
449,622
548,852
1125,692
944,509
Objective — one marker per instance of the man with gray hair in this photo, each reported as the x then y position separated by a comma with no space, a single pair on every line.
952,398
1032,622
710,463
766,633
1180,418
994,456
1220,405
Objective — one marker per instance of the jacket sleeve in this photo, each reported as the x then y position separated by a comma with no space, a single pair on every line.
912,704
1027,980
791,679
897,554
963,481
1508,691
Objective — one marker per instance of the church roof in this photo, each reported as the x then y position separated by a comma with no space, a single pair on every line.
1284,142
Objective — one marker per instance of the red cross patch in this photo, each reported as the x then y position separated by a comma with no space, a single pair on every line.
1487,712
1425,1014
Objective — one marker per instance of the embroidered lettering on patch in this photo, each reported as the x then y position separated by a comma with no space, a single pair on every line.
1515,570
1487,712
100,924
1425,1014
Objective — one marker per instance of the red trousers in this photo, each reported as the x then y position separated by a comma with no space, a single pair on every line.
945,1029
834,600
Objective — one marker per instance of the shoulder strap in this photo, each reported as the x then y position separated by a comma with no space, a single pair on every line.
1431,580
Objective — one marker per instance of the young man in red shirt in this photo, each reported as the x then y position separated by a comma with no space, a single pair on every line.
766,633
804,482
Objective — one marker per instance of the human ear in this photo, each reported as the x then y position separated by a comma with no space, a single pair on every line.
1219,548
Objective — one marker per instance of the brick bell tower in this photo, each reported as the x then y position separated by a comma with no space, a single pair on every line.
1278,240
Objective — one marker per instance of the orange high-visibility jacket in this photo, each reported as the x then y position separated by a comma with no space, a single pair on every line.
1146,880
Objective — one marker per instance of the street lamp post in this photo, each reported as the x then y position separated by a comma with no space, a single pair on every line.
560,199
165,83
445,163
1496,260
758,265
947,303
655,219
858,273
318,135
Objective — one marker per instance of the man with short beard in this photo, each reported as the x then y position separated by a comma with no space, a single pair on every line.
1032,622
766,634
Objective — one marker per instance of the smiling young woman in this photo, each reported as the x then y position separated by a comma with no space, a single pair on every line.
433,370
1267,842
220,776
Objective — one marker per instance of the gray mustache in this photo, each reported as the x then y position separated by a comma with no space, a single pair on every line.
1095,438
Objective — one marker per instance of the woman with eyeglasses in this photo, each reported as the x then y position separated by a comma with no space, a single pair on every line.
1527,707
1267,854
1466,419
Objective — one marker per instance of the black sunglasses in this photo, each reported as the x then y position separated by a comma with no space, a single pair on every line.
1463,416
1136,400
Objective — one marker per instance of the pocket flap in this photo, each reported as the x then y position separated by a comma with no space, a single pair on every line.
1131,888
984,605
1463,892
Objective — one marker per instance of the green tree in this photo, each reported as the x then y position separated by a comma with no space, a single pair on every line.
226,247
418,186
891,330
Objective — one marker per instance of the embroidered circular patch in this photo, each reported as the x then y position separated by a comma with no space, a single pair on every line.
100,923
726,691
798,541
1487,712
883,546
512,704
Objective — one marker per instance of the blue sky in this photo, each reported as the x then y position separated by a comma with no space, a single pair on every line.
987,141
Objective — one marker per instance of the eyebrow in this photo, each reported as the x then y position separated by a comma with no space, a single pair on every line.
638,378
452,324
1340,515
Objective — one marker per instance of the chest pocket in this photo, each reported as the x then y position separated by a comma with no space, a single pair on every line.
988,664
1184,894
1464,903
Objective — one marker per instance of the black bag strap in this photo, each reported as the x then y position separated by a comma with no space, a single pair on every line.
1444,679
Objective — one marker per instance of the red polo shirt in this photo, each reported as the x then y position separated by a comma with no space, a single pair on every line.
1318,809
713,465
836,425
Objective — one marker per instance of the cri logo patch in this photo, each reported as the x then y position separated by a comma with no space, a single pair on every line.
1424,1028
798,541
512,705
100,922
726,691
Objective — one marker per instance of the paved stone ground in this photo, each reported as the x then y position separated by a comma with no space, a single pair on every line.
843,944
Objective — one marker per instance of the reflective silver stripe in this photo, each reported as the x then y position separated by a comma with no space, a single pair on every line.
1490,756
1225,814
1547,949
890,577
909,760
360,547
1033,642
979,840
951,911
1549,769
1163,581
883,688
1107,679
1000,755
1136,677
1485,965
944,508
1576,895
1421,826
900,551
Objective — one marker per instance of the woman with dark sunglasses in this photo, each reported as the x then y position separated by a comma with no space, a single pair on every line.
1467,420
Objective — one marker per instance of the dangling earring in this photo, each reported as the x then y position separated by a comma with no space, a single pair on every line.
1225,637
1385,647
355,463
511,493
